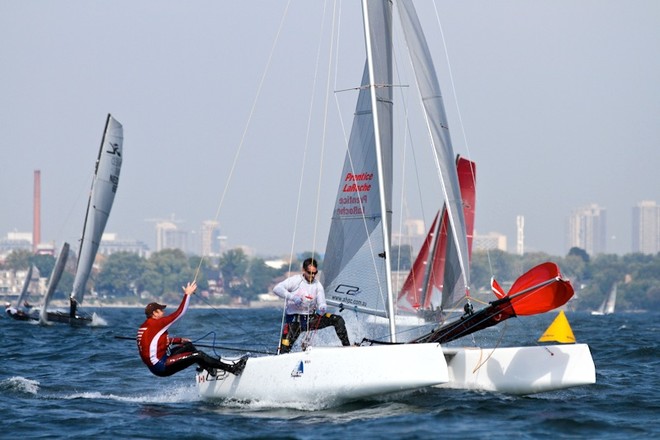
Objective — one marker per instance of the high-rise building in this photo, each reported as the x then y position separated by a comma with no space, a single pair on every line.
587,229
211,239
169,236
646,227
520,234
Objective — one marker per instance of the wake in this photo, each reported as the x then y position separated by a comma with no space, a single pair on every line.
19,384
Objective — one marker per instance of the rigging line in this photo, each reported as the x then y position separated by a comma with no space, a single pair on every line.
499,342
451,79
325,127
310,333
213,346
225,316
304,159
81,197
407,131
307,136
458,107
479,301
247,124
407,136
397,287
341,119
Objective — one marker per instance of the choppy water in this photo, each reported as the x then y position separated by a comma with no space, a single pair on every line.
59,381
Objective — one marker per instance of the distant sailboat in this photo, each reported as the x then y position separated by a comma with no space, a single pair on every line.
20,310
104,188
608,305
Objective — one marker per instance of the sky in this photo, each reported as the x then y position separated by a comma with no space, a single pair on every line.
558,103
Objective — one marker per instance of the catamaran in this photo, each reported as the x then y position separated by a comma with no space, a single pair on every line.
20,310
357,270
327,376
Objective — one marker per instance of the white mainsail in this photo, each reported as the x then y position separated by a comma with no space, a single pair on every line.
104,188
357,253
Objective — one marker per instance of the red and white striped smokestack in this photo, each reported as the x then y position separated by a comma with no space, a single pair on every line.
36,221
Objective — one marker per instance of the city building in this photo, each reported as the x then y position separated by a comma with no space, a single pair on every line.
587,229
169,236
413,234
15,241
646,227
489,242
111,243
520,235
211,239
11,284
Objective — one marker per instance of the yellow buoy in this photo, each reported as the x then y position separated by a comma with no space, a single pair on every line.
559,331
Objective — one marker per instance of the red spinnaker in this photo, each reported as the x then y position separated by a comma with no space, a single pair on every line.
538,290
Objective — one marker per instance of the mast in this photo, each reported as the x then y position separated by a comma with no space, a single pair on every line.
379,160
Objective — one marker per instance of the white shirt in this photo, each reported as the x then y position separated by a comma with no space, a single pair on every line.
310,296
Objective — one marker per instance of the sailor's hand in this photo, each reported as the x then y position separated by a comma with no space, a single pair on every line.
297,300
190,288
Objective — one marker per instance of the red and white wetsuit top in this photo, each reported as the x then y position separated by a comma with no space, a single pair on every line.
152,338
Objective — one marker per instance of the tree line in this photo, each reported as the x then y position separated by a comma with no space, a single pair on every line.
236,278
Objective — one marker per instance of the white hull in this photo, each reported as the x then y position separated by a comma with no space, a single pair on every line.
520,370
330,376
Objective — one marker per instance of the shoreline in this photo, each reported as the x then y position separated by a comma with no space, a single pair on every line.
257,305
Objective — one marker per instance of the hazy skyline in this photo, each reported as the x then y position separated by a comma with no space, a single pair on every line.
559,102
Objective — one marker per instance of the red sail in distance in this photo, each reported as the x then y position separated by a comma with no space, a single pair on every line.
414,293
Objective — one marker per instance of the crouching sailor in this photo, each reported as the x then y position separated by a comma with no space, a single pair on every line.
164,355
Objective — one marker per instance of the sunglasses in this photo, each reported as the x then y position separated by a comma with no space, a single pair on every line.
311,273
